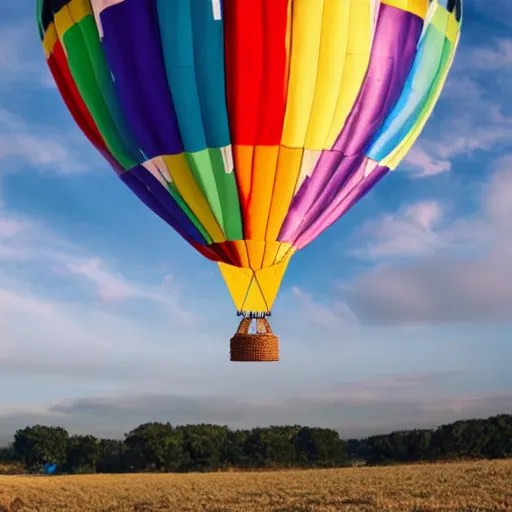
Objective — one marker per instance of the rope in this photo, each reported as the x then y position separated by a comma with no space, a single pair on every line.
254,314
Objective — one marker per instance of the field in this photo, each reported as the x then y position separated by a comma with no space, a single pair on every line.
478,486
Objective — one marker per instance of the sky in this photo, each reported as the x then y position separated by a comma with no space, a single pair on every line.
398,316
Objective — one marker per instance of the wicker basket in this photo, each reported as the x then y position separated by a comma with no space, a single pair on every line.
260,347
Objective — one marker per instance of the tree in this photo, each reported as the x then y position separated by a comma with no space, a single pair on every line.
111,456
204,447
40,444
236,449
162,447
320,447
82,454
8,454
157,446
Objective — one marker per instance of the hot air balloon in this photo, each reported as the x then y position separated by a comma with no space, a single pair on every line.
250,126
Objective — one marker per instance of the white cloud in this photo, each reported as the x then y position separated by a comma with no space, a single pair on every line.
412,231
41,147
396,402
444,284
491,58
424,162
37,266
110,286
22,59
331,316
50,147
10,227
406,387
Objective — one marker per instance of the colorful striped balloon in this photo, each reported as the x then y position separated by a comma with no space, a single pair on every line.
250,126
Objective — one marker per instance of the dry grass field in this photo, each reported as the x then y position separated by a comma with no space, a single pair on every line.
469,486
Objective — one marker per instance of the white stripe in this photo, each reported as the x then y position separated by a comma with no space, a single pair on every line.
156,166
309,161
217,11
374,16
98,6
370,167
227,158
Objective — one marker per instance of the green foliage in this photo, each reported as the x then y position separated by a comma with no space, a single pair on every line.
320,447
112,456
83,453
155,446
39,444
163,447
8,454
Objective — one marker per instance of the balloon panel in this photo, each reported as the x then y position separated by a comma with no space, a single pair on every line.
250,126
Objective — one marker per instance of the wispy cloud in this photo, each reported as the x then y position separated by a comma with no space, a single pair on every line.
41,147
332,316
54,145
410,232
406,387
415,399
495,57
43,277
21,56
471,286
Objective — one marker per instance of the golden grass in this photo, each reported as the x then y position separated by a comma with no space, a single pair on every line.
468,486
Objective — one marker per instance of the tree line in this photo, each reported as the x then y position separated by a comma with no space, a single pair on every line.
162,447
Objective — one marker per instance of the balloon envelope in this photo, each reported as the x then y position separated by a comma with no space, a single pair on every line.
250,126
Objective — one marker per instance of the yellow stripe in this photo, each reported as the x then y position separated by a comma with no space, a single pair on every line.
360,35
333,47
269,281
254,291
80,9
453,29
445,22
417,7
50,39
71,13
238,281
179,169
305,50
255,299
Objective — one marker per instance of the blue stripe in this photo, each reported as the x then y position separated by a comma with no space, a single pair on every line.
193,48
134,55
401,120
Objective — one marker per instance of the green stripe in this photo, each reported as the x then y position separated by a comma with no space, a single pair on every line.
89,68
39,18
228,194
202,170
219,189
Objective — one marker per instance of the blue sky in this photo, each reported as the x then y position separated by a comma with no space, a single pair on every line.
397,316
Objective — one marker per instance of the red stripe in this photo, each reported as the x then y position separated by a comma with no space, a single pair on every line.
256,74
275,76
243,31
